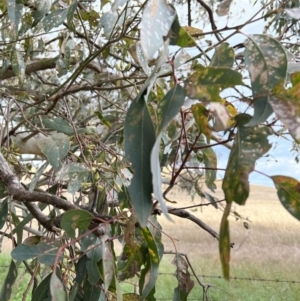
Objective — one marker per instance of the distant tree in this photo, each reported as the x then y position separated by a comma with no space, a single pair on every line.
98,99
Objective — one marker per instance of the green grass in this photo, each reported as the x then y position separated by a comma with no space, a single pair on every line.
21,282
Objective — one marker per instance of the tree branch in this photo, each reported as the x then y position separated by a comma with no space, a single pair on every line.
19,193
185,214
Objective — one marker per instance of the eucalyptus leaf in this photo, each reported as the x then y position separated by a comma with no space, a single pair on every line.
266,61
55,147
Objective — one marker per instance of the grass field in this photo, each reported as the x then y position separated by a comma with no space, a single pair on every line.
269,249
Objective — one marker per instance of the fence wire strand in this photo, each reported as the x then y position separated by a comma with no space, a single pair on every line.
242,278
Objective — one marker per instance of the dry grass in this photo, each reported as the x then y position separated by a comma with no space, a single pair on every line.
269,249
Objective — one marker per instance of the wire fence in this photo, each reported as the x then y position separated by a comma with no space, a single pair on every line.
241,278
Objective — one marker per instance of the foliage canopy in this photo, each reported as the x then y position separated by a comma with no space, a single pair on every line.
99,100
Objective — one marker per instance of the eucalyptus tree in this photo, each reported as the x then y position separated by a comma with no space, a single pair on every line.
99,99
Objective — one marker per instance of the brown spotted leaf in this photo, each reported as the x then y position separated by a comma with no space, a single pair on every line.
249,145
266,61
286,106
288,191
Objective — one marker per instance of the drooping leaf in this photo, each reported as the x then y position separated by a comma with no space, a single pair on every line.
168,109
37,175
185,283
174,31
210,162
57,289
93,272
201,115
11,10
75,219
43,290
80,269
3,212
7,284
156,22
285,104
149,274
223,56
70,14
224,242
223,8
249,145
139,140
74,174
54,147
206,82
266,61
107,261
54,19
288,191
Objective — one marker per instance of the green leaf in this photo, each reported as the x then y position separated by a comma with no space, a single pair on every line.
18,65
75,219
102,119
207,82
54,147
70,14
285,104
210,162
168,109
80,269
7,284
249,145
139,140
11,10
54,19
93,272
2,188
38,15
37,175
224,243
43,290
266,61
58,124
91,292
288,191
24,252
3,212
152,235
223,56
74,174
45,252
184,39
57,289
156,22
